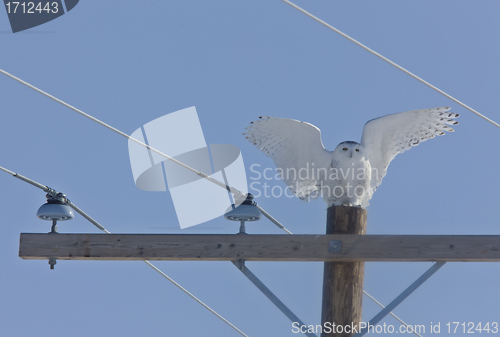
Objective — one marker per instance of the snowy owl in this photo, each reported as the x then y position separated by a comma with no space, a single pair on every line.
351,173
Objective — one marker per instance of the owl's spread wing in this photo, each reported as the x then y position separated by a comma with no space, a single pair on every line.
383,138
297,152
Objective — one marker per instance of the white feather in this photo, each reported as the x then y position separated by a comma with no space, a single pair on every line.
385,137
292,145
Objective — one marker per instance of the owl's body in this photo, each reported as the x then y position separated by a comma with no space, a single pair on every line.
350,176
351,173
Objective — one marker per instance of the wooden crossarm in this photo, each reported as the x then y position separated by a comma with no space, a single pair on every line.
257,247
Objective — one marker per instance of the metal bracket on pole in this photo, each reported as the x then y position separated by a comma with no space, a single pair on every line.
435,267
240,264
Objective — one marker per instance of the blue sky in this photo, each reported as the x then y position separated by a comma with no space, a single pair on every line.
130,62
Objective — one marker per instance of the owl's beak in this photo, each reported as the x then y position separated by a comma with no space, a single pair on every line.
350,155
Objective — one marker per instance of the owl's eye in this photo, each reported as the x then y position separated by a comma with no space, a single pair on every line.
345,149
357,150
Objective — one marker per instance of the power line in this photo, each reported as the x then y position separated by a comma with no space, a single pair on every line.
391,62
98,225
233,190
121,133
194,298
273,220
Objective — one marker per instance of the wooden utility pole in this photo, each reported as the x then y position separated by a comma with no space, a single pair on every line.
343,281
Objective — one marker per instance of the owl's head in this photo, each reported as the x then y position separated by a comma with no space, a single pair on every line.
349,149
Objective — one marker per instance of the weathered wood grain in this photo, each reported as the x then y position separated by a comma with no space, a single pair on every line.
343,281
252,247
